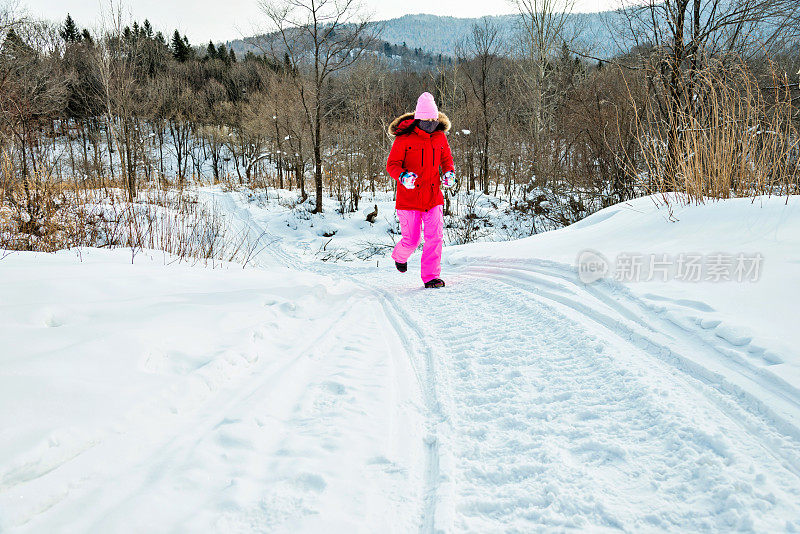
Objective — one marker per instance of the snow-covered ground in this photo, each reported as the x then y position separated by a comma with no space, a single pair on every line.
145,398
331,237
302,395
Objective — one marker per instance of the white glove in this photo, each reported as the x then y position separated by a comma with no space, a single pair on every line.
407,179
449,179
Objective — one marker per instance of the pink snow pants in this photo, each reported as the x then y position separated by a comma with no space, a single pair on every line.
431,223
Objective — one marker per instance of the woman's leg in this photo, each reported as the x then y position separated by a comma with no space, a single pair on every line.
410,228
433,226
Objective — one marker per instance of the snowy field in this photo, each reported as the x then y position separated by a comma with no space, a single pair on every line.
302,395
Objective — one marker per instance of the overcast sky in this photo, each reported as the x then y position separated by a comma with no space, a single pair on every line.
223,20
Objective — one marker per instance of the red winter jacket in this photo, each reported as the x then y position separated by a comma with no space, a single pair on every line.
423,154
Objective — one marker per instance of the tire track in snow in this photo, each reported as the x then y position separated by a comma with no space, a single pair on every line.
143,467
666,341
630,307
434,517
425,371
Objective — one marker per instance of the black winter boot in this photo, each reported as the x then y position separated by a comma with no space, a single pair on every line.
435,283
402,267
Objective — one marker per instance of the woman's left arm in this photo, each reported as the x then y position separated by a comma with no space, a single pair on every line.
447,157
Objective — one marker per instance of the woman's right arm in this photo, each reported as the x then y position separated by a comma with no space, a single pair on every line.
394,165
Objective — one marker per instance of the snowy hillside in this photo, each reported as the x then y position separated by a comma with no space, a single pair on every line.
301,395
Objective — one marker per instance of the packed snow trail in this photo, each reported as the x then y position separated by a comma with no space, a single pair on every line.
554,424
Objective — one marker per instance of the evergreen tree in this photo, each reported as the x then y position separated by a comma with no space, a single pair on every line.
180,47
69,32
211,51
222,53
188,48
86,37
177,46
147,28
231,56
14,47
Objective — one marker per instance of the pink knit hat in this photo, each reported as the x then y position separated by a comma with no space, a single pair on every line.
426,108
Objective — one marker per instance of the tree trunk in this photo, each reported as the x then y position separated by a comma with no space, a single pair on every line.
318,158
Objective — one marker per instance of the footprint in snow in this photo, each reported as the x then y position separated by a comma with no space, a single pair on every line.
289,308
311,482
334,388
732,336
53,317
686,303
709,324
595,451
769,357
386,465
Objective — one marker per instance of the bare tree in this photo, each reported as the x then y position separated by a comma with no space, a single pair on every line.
181,103
320,37
116,58
544,31
684,37
480,55
10,17
33,92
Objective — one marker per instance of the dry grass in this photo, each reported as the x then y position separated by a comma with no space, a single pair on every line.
732,139
45,215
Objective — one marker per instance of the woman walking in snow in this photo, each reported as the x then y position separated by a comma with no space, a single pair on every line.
419,150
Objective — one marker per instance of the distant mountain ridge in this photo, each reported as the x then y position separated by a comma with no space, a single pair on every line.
440,34
435,34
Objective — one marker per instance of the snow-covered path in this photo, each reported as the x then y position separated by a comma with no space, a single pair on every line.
554,421
334,397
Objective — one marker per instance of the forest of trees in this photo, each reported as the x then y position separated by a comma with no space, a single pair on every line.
704,100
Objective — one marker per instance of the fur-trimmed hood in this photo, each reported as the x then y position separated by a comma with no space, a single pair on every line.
402,124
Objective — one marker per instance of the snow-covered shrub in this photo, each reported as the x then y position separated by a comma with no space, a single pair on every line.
39,213
467,224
